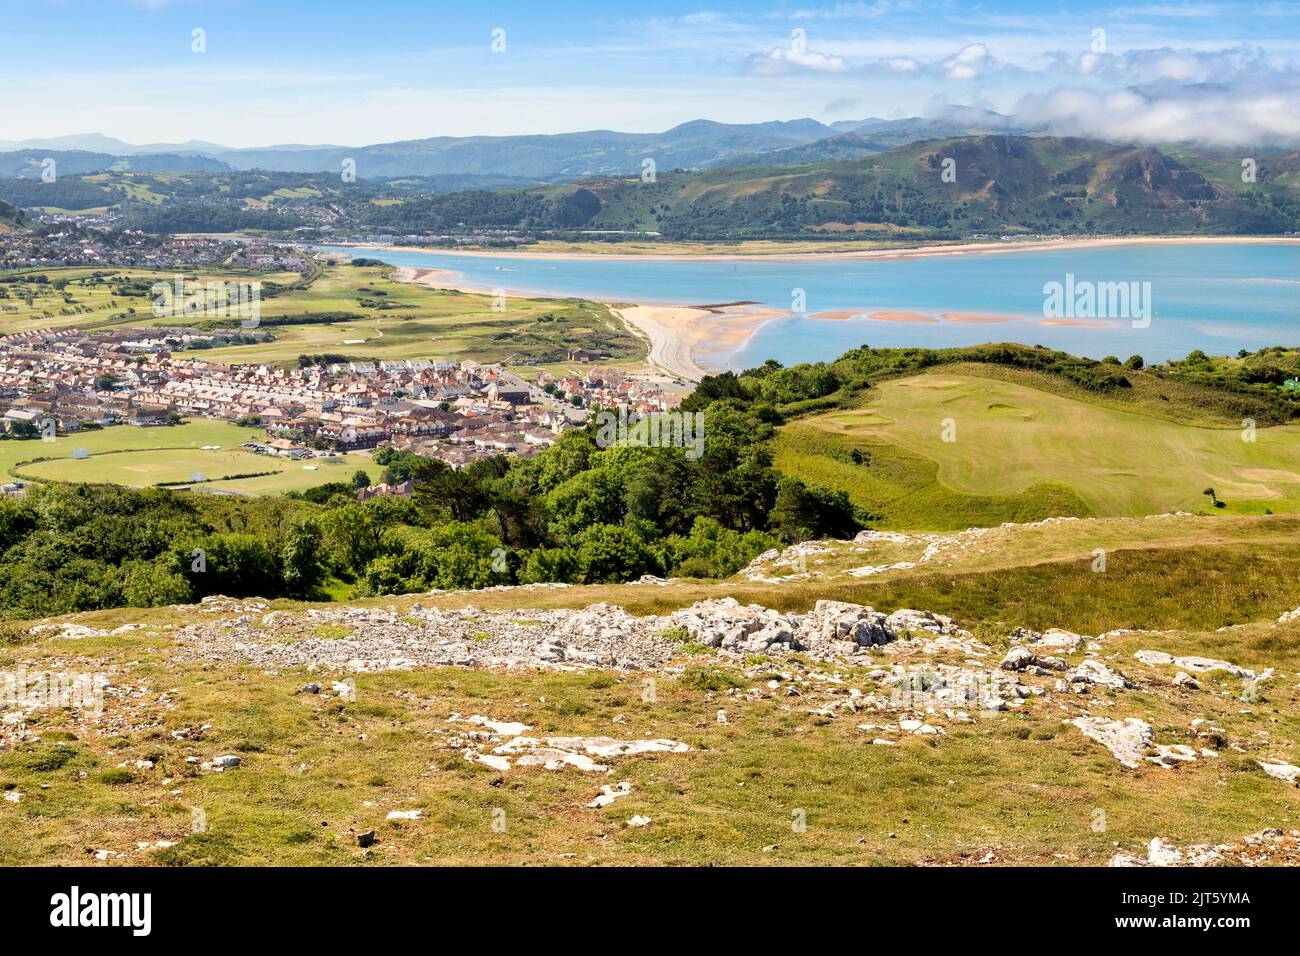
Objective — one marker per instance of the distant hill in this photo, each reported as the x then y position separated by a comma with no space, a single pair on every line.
868,137
10,217
1001,184
28,163
558,157
998,185
553,158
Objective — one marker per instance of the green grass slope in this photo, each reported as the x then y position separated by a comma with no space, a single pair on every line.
1018,787
1023,452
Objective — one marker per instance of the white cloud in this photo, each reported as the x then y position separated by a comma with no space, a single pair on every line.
782,58
968,63
1242,115
901,64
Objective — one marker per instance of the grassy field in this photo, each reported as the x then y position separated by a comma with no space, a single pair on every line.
1020,787
147,456
87,304
406,320
395,320
1021,453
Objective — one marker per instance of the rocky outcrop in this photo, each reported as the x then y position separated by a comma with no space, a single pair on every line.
1132,741
833,621
909,620
726,623
1095,672
1024,659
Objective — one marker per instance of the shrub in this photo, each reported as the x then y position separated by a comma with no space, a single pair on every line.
709,679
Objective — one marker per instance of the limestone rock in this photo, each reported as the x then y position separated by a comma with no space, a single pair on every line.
841,621
909,619
609,793
1095,672
1197,665
1127,740
1280,771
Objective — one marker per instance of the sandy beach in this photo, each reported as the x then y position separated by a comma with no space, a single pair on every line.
677,334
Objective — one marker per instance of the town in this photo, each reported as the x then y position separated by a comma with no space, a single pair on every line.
63,380
85,241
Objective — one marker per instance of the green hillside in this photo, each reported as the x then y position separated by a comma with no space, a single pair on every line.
10,216
1004,184
1022,453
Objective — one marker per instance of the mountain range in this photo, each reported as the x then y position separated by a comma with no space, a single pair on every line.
560,157
954,186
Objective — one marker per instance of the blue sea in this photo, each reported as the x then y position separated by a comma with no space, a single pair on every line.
1217,297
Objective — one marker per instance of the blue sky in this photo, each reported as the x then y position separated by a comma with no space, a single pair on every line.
328,71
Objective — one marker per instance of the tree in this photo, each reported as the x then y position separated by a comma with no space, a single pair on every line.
360,479
549,564
351,537
301,568
240,565
803,512
153,584
611,553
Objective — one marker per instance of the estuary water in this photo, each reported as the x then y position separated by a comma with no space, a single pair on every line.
1217,297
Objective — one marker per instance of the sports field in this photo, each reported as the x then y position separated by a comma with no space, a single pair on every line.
141,457
1030,452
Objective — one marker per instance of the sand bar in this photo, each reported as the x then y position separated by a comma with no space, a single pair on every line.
905,252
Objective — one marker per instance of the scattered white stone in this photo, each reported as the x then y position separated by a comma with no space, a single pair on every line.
609,793
1168,754
490,760
405,814
1281,771
1197,665
554,753
1127,740
871,537
871,570
225,762
506,728
639,821
1095,672
68,630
